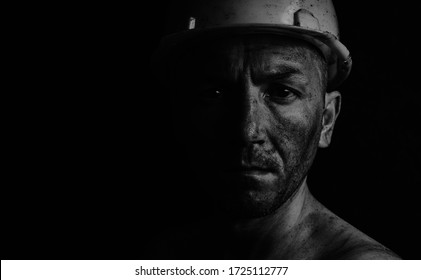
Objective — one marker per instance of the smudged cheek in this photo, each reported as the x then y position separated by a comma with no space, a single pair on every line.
292,129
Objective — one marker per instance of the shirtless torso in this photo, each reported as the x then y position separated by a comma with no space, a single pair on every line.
301,229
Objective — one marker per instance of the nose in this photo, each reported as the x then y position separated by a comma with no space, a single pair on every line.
253,116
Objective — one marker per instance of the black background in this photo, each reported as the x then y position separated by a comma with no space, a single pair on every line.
94,170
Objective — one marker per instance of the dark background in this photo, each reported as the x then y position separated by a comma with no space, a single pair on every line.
94,170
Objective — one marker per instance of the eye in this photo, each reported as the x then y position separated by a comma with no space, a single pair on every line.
281,93
211,93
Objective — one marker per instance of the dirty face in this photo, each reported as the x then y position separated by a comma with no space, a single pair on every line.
249,112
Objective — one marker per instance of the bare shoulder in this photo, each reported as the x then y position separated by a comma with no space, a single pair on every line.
371,254
340,240
358,246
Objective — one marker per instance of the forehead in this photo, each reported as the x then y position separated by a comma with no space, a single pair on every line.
231,56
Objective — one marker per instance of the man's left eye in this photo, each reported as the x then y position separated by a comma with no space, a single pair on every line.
281,93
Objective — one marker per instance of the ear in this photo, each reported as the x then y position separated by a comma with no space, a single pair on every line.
330,113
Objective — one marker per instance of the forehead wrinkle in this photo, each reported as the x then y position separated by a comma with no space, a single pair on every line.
276,66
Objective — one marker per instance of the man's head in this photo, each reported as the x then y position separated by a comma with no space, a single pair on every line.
252,111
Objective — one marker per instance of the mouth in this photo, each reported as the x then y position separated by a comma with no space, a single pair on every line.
251,177
251,170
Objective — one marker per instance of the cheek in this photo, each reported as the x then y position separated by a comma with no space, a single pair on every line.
294,131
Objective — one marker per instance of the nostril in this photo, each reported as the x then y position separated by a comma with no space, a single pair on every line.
258,141
251,130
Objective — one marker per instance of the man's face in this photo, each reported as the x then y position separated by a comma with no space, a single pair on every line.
252,119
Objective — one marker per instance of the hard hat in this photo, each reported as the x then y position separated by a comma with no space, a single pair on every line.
311,20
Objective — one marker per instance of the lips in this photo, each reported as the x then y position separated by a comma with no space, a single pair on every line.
251,169
251,161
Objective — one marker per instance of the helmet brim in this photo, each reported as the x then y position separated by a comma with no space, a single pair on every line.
336,54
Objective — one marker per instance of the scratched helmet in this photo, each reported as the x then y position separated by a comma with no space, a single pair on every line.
311,20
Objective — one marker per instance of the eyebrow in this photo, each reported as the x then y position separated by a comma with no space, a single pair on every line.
280,72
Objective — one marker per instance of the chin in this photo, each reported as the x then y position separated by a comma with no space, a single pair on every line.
253,204
248,196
